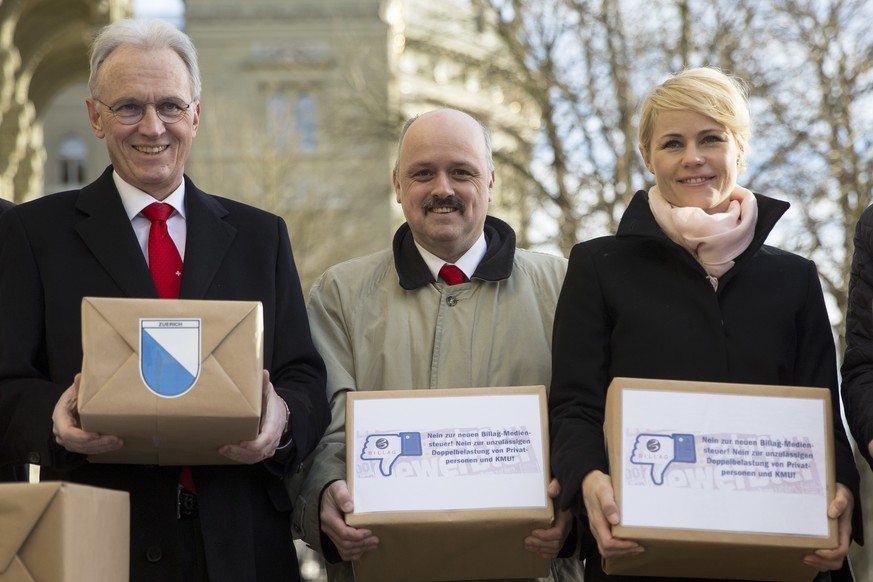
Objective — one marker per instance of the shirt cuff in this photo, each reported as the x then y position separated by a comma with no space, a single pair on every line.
287,438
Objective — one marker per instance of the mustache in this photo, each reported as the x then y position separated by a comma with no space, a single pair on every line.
451,201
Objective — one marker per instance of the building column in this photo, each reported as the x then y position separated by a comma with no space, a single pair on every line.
43,47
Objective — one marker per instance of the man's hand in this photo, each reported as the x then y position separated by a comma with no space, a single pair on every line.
68,434
351,542
270,434
548,542
599,499
840,509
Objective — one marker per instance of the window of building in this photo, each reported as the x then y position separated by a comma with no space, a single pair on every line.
279,127
72,156
307,125
292,127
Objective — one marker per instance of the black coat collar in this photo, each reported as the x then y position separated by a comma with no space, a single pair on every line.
106,231
496,265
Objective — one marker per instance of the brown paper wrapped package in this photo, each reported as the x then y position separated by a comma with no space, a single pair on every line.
223,406
61,532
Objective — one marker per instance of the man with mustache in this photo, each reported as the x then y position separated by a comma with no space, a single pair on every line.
394,320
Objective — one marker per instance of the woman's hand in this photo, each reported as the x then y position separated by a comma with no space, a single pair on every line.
599,499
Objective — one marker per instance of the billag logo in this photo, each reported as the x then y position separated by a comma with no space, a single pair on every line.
387,448
659,451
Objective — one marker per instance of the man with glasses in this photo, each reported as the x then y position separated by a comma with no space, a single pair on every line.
218,523
130,113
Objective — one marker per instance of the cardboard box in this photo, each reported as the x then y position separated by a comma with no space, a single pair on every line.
60,532
451,481
176,379
720,480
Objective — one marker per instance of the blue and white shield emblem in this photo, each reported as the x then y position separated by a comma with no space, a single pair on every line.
169,355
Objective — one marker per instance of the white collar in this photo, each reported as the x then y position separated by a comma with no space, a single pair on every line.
467,263
134,199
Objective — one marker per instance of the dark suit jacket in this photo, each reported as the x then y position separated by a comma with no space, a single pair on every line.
60,248
11,472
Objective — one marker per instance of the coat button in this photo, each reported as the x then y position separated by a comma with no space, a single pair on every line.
33,458
154,554
451,300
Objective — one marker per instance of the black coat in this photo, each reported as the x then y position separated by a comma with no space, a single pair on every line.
60,248
857,367
10,472
638,305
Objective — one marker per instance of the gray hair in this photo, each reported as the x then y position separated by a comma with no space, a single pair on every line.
146,34
486,133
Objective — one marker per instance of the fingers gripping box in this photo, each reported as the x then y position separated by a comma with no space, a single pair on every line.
450,481
720,480
176,379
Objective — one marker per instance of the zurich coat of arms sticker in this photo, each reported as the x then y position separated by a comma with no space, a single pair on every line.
169,355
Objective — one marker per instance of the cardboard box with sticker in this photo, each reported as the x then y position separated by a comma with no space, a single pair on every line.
720,480
175,378
450,481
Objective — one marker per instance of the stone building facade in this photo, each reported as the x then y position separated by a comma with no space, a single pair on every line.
43,51
302,102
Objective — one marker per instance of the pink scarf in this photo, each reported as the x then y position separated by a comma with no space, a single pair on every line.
715,240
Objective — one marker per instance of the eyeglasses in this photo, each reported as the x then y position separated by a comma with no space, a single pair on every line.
131,112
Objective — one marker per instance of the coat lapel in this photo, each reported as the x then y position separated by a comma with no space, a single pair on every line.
108,235
209,238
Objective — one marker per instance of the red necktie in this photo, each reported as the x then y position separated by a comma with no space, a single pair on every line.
166,267
164,260
452,275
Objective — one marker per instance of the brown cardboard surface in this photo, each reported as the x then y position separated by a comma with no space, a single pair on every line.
713,553
476,544
223,406
61,532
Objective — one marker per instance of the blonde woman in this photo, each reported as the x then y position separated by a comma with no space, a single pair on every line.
686,289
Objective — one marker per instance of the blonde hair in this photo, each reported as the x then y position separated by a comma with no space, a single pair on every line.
704,90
